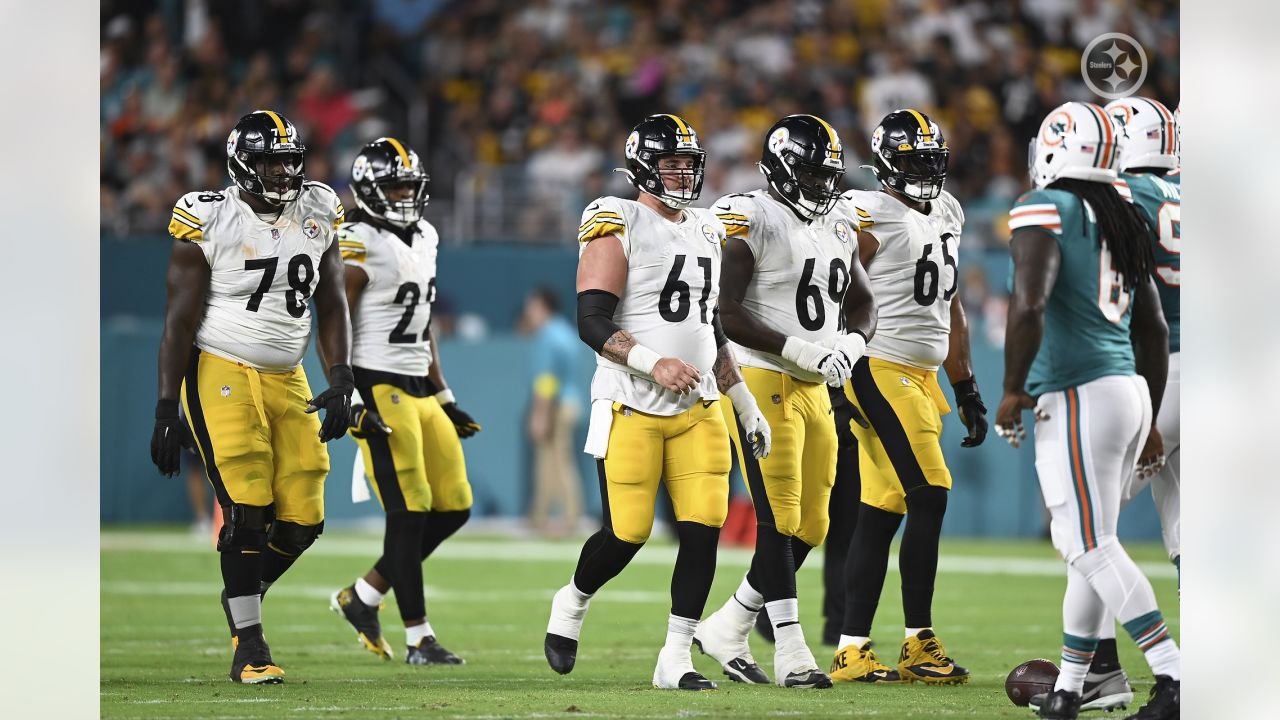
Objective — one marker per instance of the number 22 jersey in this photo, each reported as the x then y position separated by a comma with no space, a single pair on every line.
261,273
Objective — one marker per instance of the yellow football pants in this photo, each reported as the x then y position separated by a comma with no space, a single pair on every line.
689,452
903,447
420,465
791,488
259,445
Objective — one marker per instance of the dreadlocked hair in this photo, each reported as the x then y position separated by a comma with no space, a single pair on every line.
1124,229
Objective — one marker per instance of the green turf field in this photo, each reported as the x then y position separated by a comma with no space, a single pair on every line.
165,652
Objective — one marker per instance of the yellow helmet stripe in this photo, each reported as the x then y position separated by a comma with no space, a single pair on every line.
924,126
404,156
684,129
832,138
281,131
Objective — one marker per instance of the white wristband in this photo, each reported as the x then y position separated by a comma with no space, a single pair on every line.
445,396
853,345
741,397
355,397
642,359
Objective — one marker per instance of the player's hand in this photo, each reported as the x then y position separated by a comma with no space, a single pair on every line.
366,422
972,412
754,426
462,422
676,375
1009,416
167,438
1151,460
336,402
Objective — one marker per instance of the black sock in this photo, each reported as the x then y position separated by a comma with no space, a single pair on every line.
695,569
773,570
1105,658
918,556
400,563
603,557
799,552
274,564
241,572
440,525
865,567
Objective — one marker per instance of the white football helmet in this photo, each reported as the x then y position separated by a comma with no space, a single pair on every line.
1076,140
1148,133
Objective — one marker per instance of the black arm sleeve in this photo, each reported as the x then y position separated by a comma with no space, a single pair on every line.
721,338
595,317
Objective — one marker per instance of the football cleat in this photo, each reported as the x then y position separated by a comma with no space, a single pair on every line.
675,672
1164,703
252,664
1102,691
430,652
563,629
860,664
796,668
923,658
725,638
363,618
1060,705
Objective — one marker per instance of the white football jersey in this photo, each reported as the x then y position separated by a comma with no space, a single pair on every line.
262,273
389,324
801,271
913,274
673,285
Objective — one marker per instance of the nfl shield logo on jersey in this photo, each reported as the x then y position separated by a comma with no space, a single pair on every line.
275,234
226,391
310,228
395,398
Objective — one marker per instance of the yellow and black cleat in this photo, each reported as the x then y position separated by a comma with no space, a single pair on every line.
252,664
924,659
860,664
363,618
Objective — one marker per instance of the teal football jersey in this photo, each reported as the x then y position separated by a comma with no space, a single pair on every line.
1160,199
1086,322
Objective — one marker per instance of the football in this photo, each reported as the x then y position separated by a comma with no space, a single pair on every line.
1032,677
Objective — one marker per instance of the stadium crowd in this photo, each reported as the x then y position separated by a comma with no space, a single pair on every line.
547,92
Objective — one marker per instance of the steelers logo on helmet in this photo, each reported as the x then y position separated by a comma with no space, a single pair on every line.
778,140
231,142
910,155
803,161
632,146
389,183
265,157
663,160
360,168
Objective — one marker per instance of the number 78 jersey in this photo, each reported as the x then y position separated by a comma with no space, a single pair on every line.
914,275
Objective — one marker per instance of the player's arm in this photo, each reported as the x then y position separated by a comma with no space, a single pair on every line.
1150,335
333,340
729,380
959,367
860,310
1035,270
602,278
363,421
462,421
187,284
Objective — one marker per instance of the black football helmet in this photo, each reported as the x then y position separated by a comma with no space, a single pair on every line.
384,164
910,155
265,156
804,161
656,137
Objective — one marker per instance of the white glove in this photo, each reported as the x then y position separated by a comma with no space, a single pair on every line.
753,422
832,364
852,346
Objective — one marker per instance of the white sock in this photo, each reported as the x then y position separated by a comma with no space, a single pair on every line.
912,632
578,595
749,597
680,632
1071,675
1165,659
856,640
245,610
368,594
1082,613
414,635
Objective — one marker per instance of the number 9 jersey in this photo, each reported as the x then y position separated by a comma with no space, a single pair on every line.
390,324
261,273
914,275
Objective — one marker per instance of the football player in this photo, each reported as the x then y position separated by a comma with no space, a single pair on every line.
908,239
791,285
406,420
1088,348
244,264
648,278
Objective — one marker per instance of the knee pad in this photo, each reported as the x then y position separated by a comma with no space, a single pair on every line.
292,539
244,527
927,501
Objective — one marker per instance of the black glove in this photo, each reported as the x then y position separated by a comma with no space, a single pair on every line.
462,422
336,402
167,438
366,422
972,412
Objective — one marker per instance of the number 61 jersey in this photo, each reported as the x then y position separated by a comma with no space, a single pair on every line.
913,274
261,273
673,285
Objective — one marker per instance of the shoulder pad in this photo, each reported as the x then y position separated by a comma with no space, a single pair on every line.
326,200
866,206
603,216
736,213
353,241
192,213
1037,208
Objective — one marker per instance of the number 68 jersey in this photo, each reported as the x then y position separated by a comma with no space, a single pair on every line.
673,285
914,275
261,273
390,324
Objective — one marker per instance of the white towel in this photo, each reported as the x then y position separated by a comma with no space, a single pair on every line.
598,428
359,484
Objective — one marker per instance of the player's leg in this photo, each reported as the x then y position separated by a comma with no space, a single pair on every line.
629,476
231,434
696,471
843,511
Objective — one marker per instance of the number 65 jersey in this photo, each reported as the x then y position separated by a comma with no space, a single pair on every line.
913,275
390,323
261,273
673,286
